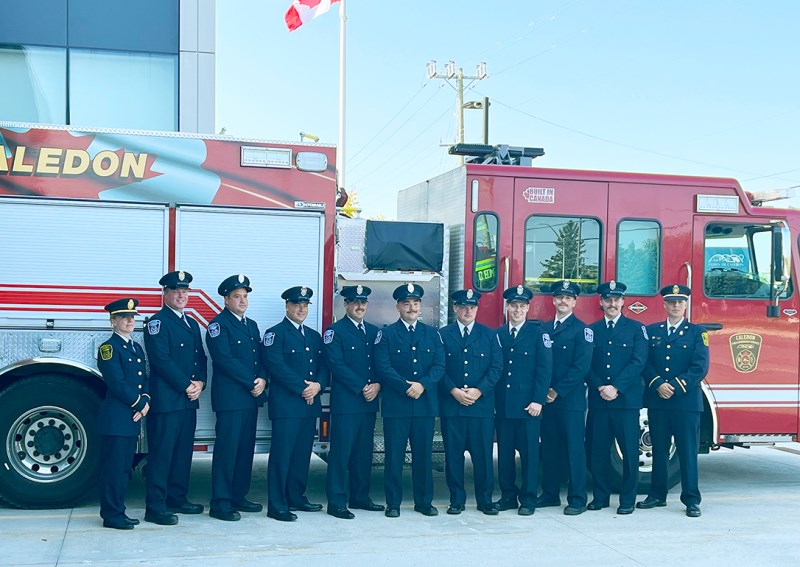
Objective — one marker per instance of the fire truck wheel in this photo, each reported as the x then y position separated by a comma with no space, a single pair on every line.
50,445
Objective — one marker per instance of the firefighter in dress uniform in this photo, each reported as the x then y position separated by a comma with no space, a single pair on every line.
474,360
615,397
350,349
564,414
409,356
676,366
178,373
121,362
298,373
237,391
519,396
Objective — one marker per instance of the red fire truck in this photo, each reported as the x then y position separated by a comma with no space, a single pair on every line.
530,225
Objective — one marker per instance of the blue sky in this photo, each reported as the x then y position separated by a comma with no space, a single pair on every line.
687,87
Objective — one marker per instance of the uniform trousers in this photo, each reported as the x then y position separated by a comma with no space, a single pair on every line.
563,443
685,427
116,464
418,431
170,438
350,458
289,461
518,435
232,461
476,435
622,425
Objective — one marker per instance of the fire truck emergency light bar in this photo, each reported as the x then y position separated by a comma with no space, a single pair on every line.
500,154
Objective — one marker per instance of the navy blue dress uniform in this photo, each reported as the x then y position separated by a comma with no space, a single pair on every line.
177,358
679,358
122,363
293,355
564,419
409,353
474,359
527,367
233,343
350,350
619,356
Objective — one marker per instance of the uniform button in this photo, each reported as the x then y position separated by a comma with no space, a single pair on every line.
140,373
668,346
414,361
509,375
308,348
510,361
181,344
666,370
352,348
511,350
415,373
238,342
608,354
667,358
413,348
140,386
310,360
138,360
292,350
609,342
608,366
466,362
466,386
508,385
310,373
130,360
465,350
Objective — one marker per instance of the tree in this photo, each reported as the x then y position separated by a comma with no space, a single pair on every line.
566,262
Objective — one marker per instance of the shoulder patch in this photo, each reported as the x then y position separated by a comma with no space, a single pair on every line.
154,326
588,335
379,336
644,332
547,340
269,338
327,338
213,330
704,336
106,352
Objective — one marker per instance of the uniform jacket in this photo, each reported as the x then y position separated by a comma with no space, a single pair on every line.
124,371
418,357
573,345
291,359
177,357
351,360
680,360
527,367
474,362
235,362
619,358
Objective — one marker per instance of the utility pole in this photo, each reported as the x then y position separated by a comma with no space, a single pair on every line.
451,73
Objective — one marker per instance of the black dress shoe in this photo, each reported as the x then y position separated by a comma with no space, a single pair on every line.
595,505
247,506
526,510
306,507
281,516
455,509
489,509
651,502
625,510
506,504
392,513
369,506
229,515
186,508
543,503
341,513
161,518
122,524
693,511
574,510
426,510
133,521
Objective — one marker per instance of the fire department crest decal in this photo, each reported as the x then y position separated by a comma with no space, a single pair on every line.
637,307
745,348
213,330
154,326
106,352
588,335
327,338
269,338
378,338
546,340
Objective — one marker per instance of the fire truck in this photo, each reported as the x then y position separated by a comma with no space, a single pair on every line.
516,224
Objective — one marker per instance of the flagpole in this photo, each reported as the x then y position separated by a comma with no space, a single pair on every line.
342,74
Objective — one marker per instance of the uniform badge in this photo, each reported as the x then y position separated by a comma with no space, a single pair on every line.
327,338
470,294
588,335
548,342
131,304
154,326
704,336
360,289
519,290
612,285
676,290
213,330
269,338
410,288
378,337
241,278
644,332
303,291
106,352
565,284
181,275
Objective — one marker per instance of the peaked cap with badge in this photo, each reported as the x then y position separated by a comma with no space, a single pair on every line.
231,283
355,293
518,293
408,291
298,294
465,297
611,289
675,292
176,280
122,307
565,287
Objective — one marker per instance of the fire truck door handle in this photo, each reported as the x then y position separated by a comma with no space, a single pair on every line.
506,269
711,326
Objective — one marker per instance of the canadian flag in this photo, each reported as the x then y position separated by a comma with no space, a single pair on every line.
302,11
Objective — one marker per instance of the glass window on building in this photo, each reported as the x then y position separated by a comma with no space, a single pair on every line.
119,89
34,86
738,261
639,256
559,248
484,252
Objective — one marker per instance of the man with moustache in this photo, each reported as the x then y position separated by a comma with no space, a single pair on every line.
615,397
237,391
178,372
298,374
474,360
564,414
410,360
350,348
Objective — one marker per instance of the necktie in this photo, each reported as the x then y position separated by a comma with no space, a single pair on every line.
557,324
671,330
301,330
185,320
611,325
513,333
361,328
411,328
244,321
466,332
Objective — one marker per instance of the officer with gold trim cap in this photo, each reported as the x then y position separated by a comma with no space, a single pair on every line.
676,365
121,361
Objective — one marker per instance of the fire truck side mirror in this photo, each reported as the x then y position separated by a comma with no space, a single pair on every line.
781,266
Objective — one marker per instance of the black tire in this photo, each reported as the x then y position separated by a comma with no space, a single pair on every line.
50,445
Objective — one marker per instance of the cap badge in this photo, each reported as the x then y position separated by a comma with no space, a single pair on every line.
303,291
130,304
470,294
519,290
612,285
360,289
565,284
410,288
676,289
241,278
181,275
